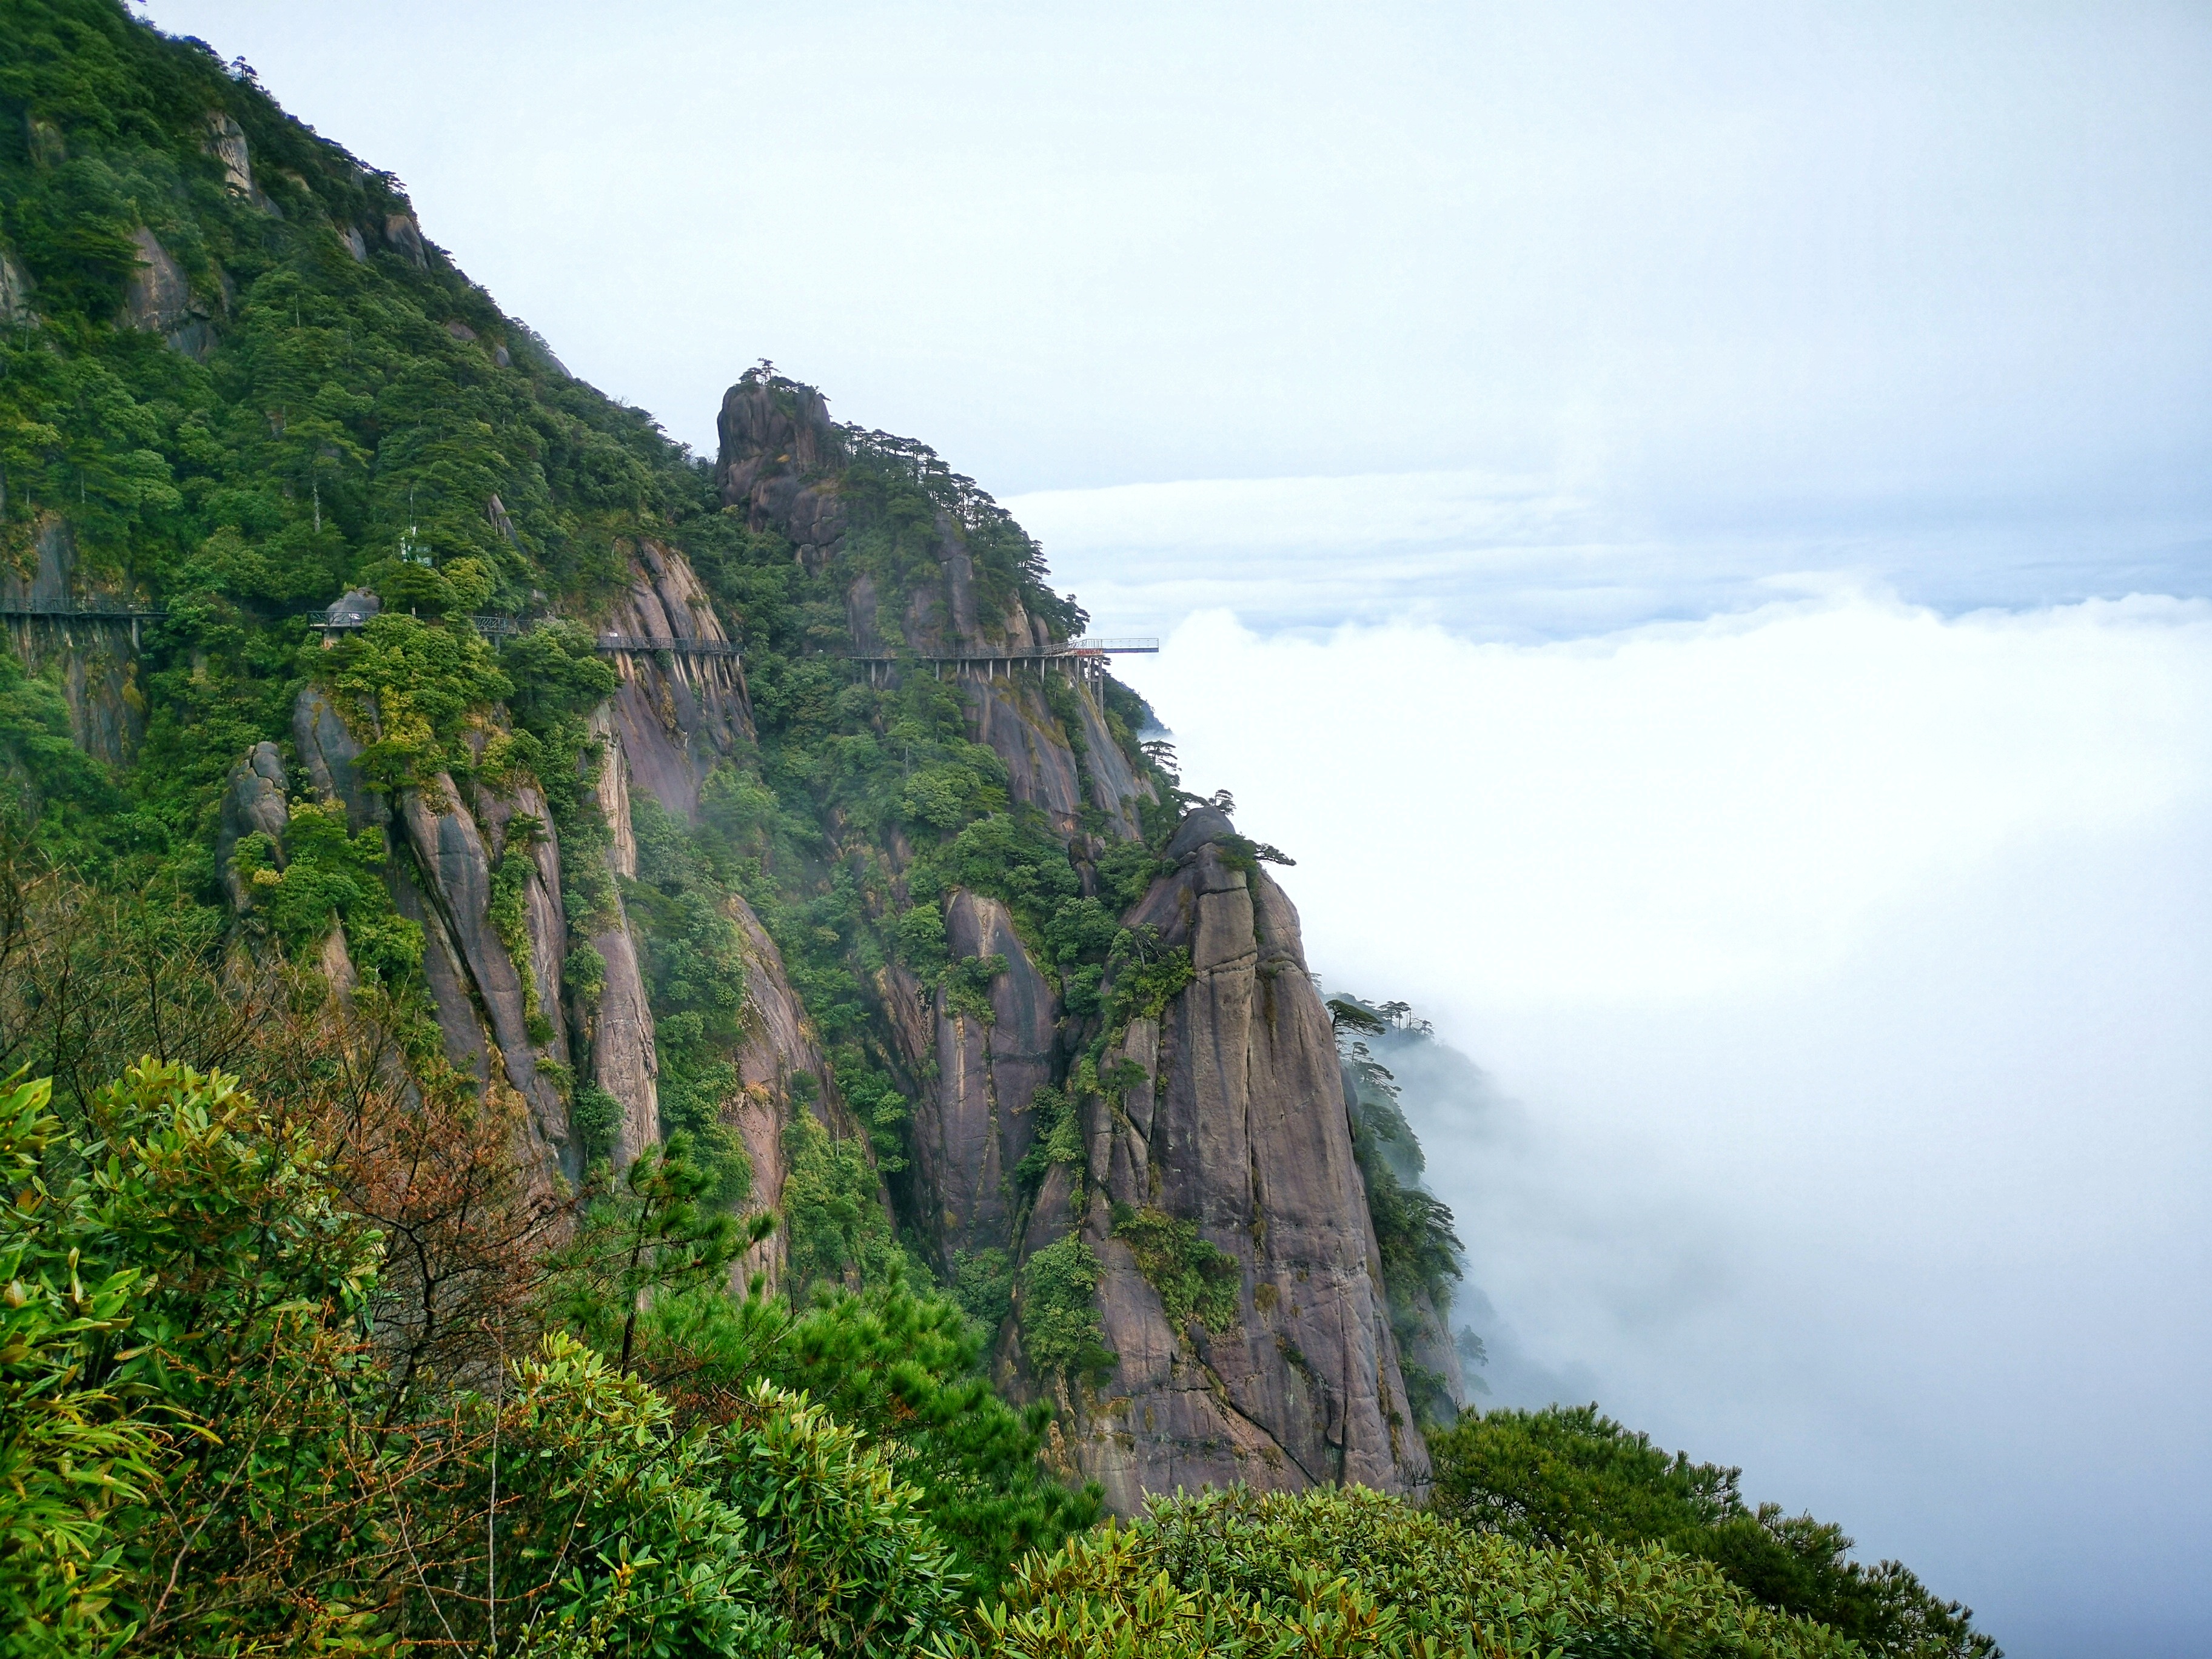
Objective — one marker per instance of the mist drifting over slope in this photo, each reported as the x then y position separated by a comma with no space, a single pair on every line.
1837,975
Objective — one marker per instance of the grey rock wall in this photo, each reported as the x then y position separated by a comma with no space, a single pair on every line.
15,288
973,1123
779,1044
625,1055
94,658
253,803
1240,1127
453,867
440,877
1114,787
328,747
678,716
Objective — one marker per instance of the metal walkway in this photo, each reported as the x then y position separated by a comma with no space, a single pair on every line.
506,628
614,642
1085,658
82,613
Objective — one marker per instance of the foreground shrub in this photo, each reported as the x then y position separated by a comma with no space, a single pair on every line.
778,1532
1354,1572
1550,1476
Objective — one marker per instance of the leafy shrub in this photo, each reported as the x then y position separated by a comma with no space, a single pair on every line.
1012,856
1548,1476
36,753
1059,1309
558,678
921,940
1352,1572
1126,873
256,1282
967,985
775,1530
1078,941
1057,1135
694,961
71,1454
417,686
1146,976
330,876
1194,1277
983,1284
595,1121
874,1096
508,912
904,1365
836,1228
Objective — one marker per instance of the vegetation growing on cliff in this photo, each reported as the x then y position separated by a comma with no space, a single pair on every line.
1194,1280
313,1362
1058,1306
1422,1257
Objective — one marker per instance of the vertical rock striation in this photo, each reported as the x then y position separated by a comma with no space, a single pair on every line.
678,715
618,1028
1238,1126
55,626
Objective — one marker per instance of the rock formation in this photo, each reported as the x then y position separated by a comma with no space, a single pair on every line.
1239,1126
55,623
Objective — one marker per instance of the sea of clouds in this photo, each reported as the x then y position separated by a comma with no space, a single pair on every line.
1836,969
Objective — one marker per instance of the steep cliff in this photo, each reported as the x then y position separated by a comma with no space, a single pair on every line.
760,801
1229,1115
479,870
53,612
1234,1117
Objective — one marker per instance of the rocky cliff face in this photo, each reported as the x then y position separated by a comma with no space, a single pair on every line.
1238,1124
52,605
507,1016
1234,1119
676,714
1049,1021
1220,1110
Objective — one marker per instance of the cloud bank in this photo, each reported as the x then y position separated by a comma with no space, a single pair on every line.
1839,971
1493,556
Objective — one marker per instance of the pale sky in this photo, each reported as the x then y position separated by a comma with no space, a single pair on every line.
1643,501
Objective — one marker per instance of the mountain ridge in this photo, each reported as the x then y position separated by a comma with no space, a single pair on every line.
967,926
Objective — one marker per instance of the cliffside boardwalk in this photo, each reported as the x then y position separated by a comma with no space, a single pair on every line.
1083,658
67,614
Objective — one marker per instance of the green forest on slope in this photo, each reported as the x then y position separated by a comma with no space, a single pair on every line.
292,1358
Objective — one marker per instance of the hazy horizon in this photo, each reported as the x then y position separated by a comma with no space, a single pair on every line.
1693,524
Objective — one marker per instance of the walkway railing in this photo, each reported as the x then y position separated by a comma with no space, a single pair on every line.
1085,658
612,642
500,628
88,612
83,613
